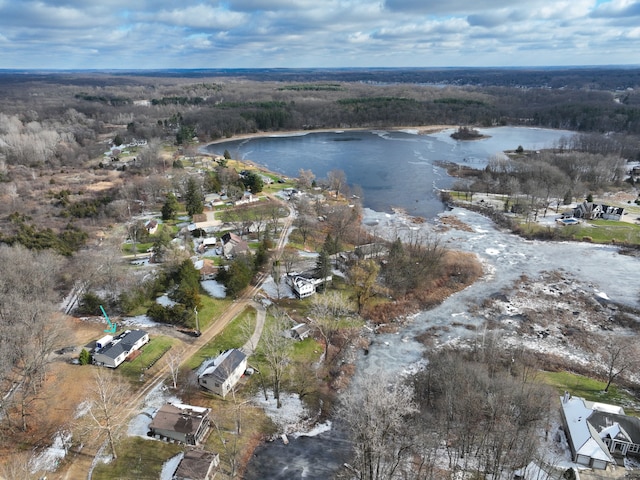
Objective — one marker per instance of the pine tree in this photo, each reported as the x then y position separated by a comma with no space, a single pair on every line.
193,198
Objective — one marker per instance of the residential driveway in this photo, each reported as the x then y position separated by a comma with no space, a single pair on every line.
261,313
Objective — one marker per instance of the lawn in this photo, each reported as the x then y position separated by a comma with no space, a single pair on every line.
590,389
138,459
211,309
233,336
151,353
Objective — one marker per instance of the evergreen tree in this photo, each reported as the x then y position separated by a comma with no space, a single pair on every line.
84,358
253,182
323,264
193,198
170,207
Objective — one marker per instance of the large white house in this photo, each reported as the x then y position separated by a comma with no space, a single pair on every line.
598,433
117,350
224,373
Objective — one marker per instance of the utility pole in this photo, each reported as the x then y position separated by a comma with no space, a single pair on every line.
195,310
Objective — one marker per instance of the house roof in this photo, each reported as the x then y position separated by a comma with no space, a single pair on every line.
616,425
195,464
177,417
123,343
301,329
224,365
585,438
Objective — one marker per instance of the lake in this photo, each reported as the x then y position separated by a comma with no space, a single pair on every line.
393,168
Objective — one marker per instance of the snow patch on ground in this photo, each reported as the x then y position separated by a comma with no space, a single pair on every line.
291,418
50,457
213,288
139,321
170,466
165,301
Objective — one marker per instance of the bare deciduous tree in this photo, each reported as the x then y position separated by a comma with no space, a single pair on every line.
107,399
276,349
326,312
375,410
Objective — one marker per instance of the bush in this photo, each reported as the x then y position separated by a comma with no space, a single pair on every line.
84,358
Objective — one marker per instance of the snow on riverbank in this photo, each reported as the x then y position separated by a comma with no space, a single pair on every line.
293,417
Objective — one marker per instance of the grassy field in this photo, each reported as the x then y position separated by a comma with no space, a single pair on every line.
591,389
211,309
233,336
151,352
138,459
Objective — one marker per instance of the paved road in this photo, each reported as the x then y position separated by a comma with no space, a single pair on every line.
81,470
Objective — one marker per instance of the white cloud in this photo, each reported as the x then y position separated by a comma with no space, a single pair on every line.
287,33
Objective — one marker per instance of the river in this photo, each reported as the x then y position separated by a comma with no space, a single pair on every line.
376,164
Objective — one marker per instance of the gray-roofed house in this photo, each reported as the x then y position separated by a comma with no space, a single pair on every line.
117,350
233,245
180,423
598,433
197,465
224,373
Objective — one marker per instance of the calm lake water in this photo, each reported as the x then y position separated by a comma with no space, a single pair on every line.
393,168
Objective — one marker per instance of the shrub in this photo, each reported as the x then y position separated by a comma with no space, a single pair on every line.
84,358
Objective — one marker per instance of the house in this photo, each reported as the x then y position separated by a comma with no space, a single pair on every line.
233,245
300,331
224,373
611,213
247,197
591,211
371,250
304,285
118,349
587,210
598,432
151,226
182,423
197,465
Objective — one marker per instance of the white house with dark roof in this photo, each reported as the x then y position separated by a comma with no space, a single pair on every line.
598,432
224,373
117,350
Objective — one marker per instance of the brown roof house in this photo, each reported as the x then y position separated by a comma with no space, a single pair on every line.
224,373
197,465
176,422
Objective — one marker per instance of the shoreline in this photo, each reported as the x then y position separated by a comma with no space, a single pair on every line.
419,129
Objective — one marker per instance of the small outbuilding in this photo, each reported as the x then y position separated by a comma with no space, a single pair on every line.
177,422
300,331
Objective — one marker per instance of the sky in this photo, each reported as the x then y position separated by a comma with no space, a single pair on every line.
151,34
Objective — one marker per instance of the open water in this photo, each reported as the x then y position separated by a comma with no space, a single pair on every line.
393,168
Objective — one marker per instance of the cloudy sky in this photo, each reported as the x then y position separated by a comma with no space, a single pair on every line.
316,33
